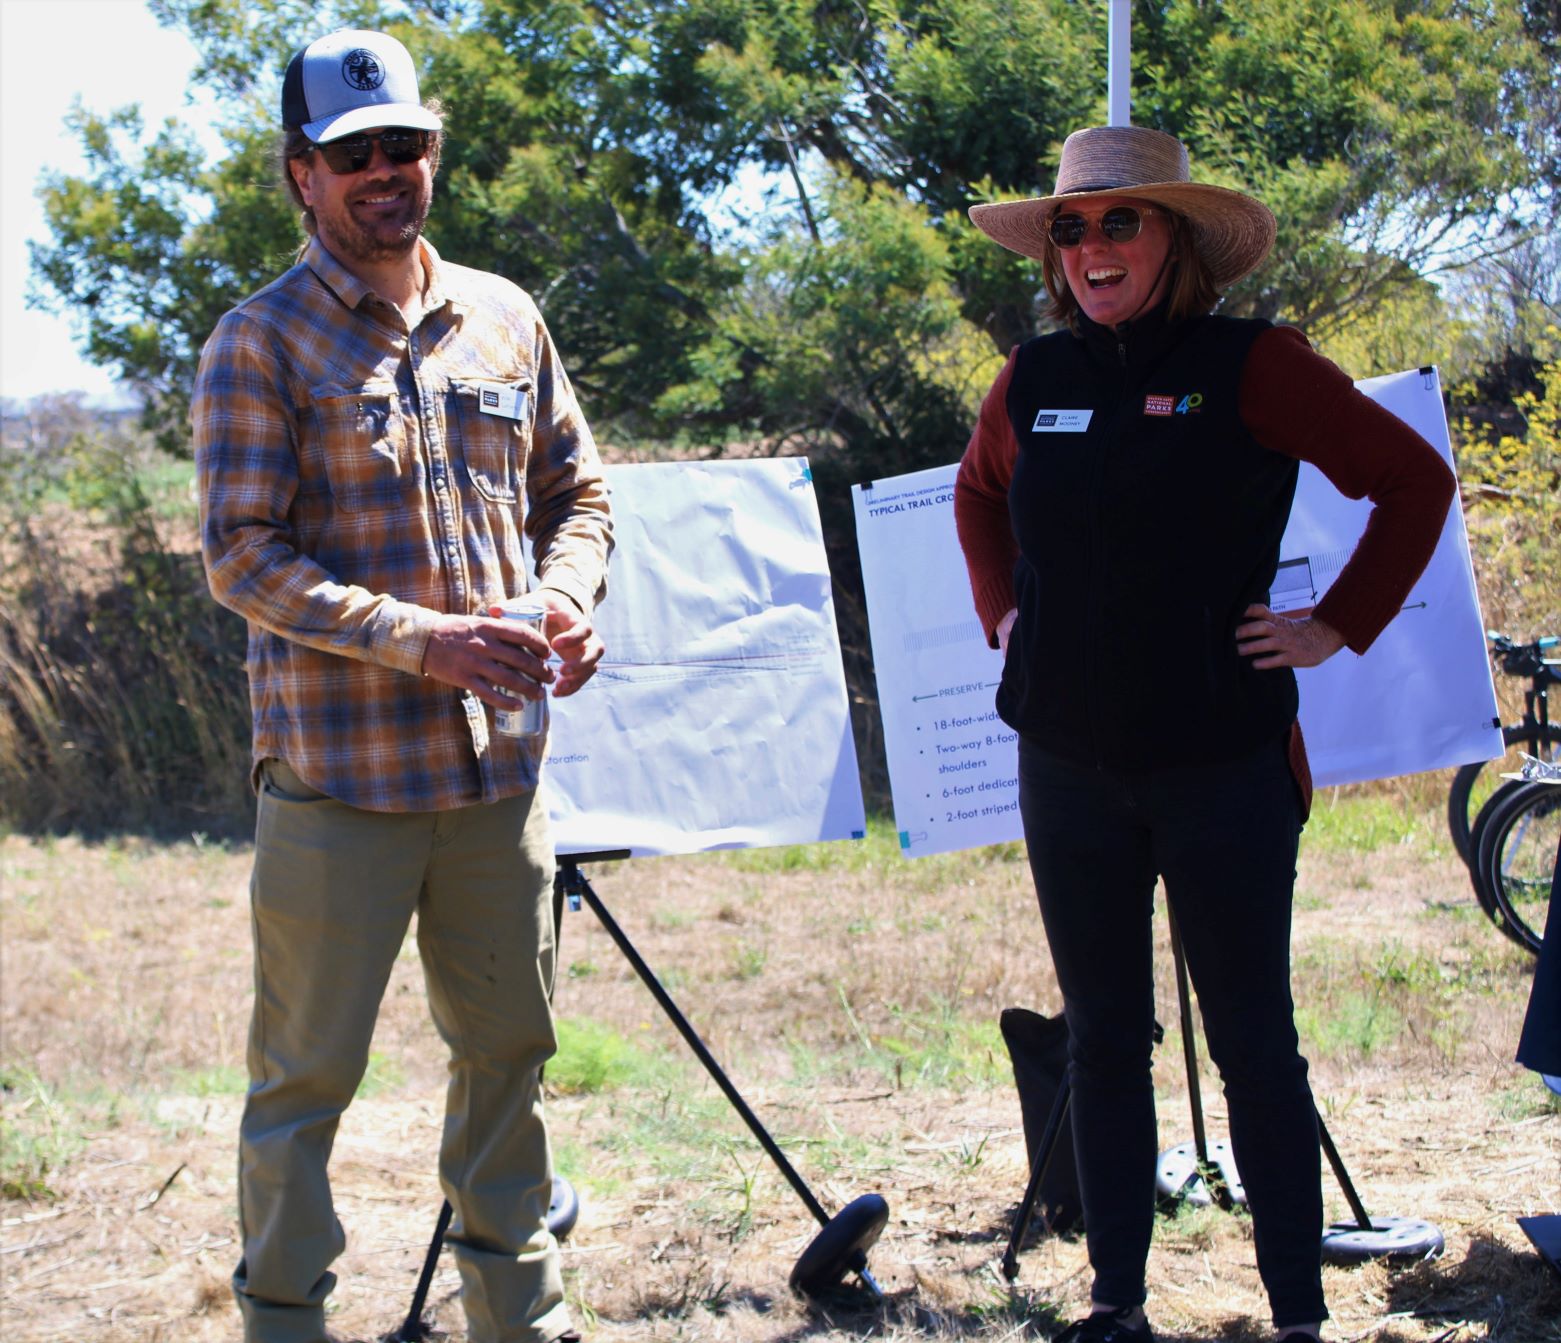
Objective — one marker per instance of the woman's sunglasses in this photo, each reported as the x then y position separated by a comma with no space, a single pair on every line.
1119,224
353,153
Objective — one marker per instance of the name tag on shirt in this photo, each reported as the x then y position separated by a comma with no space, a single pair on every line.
1061,421
510,402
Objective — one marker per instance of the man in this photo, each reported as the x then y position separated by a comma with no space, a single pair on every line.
371,431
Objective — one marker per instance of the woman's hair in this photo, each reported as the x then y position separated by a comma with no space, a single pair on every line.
1192,292
295,144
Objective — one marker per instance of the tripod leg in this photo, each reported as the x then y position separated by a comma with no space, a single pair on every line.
1211,1176
413,1328
1337,1162
843,1243
1032,1191
701,1052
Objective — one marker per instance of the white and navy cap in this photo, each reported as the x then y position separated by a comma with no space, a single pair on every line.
349,81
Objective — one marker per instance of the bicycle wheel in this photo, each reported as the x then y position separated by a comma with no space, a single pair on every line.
1482,822
1519,849
1473,784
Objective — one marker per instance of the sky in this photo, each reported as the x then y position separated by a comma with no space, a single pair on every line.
116,54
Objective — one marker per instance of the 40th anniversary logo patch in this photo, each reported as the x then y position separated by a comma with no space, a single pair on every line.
1170,405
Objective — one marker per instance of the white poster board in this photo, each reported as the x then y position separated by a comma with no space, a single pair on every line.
1421,698
718,717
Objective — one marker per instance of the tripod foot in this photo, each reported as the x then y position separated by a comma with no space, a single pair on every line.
841,1247
1177,1174
563,1211
1401,1239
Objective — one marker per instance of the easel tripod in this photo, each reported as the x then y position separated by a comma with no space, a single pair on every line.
1343,1242
843,1241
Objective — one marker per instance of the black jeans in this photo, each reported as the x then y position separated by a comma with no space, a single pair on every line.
1224,837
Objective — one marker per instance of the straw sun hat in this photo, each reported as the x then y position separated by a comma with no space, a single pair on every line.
1231,231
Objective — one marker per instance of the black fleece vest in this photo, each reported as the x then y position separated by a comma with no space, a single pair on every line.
1142,540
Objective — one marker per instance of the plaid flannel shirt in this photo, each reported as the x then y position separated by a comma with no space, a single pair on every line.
354,482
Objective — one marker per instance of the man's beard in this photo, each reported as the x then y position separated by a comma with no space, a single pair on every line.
388,238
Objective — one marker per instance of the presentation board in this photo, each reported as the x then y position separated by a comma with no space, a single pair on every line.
718,717
1421,698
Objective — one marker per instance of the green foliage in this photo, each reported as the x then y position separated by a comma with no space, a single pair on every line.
151,248
223,1079
1355,1023
593,1058
831,343
38,1137
1363,821
1512,481
1386,138
383,1074
937,1047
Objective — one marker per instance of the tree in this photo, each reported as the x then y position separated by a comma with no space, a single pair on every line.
588,142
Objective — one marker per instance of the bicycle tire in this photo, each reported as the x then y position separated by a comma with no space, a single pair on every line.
1519,849
1482,888
1461,808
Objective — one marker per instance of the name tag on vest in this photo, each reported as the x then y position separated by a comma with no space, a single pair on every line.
1061,421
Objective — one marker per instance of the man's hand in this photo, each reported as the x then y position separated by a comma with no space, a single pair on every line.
483,653
576,644
1277,641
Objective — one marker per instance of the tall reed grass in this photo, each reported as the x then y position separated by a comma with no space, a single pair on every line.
123,702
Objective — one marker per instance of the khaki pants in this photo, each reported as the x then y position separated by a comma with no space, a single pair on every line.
333,892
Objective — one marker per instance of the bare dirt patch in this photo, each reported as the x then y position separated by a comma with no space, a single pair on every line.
854,999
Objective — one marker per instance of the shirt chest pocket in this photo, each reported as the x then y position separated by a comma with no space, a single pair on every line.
361,446
492,422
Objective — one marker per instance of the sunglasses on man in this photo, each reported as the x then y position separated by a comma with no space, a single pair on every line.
1119,224
353,153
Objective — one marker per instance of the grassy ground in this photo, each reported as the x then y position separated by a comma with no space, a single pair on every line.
854,998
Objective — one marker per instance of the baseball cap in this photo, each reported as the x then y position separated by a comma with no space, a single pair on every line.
349,81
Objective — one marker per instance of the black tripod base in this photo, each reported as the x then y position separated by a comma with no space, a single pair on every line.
841,1247
1396,1239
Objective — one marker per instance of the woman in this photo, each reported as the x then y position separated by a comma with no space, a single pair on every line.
1120,507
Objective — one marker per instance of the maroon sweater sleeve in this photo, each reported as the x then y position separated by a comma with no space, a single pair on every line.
981,506
1297,402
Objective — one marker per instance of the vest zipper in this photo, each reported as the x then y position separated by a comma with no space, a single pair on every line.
1094,617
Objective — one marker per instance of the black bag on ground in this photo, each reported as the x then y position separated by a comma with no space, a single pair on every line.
1038,1047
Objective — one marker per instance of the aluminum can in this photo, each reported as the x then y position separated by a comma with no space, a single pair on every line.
525,720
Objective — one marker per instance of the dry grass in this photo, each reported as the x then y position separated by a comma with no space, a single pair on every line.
854,998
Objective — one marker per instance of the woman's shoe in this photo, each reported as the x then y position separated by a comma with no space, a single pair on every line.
1106,1326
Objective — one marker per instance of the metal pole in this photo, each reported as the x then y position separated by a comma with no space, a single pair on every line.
1337,1162
1189,1043
1119,64
413,1328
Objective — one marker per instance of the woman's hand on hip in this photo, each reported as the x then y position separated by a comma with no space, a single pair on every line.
1272,640
1004,627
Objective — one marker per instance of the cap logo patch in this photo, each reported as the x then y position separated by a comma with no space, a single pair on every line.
361,70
